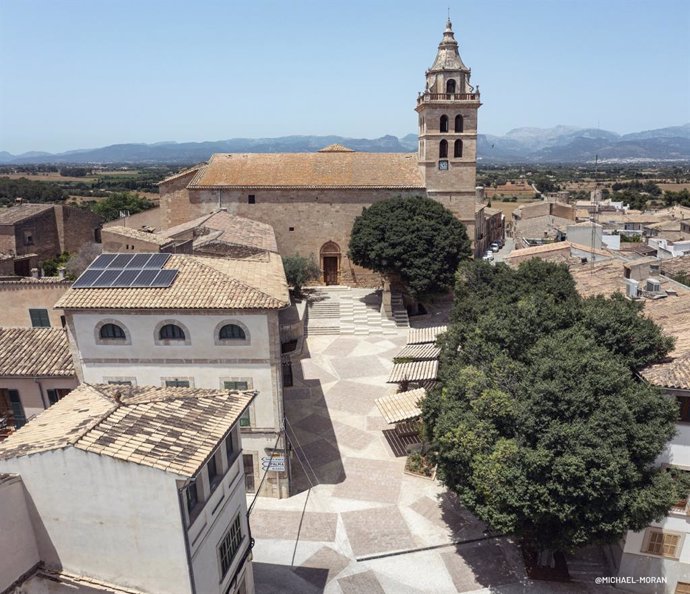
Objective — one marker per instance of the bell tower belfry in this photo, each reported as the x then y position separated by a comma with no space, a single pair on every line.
447,110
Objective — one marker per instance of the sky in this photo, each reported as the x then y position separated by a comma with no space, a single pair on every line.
89,73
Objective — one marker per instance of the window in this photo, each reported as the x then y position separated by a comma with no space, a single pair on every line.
443,149
683,408
682,588
57,394
28,238
231,332
248,467
443,126
192,497
245,420
459,124
291,229
664,544
39,318
251,199
230,545
457,151
120,382
213,476
17,408
232,385
175,383
171,332
112,332
229,448
450,86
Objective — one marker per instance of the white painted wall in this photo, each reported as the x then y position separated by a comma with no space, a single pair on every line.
18,548
112,520
30,391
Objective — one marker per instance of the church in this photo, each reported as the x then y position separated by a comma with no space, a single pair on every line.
312,199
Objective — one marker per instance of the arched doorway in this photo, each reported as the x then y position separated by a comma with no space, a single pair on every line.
330,262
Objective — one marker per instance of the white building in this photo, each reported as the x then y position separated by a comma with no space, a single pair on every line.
663,548
212,324
138,488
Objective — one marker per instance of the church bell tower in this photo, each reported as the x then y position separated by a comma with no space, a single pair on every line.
447,111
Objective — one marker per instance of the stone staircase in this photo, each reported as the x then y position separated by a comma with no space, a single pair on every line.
339,310
397,312
587,564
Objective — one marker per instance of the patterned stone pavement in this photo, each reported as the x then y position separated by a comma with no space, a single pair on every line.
358,523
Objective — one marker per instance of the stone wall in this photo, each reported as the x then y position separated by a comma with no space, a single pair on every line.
115,242
75,227
18,297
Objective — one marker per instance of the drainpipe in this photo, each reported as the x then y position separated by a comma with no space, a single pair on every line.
40,389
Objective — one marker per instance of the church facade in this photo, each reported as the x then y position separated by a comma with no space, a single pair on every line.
312,199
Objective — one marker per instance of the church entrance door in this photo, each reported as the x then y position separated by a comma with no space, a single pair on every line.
330,270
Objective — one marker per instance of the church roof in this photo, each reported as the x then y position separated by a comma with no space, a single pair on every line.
448,57
334,167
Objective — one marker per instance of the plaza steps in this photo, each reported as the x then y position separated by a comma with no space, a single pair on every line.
339,310
587,564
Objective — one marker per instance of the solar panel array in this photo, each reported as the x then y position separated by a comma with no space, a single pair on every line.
126,270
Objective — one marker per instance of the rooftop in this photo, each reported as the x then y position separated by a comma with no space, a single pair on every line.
132,233
541,226
171,429
424,335
35,352
402,406
413,371
15,214
201,283
673,374
327,169
418,352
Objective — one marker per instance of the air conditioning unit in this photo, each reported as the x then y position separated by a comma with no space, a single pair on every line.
653,285
632,288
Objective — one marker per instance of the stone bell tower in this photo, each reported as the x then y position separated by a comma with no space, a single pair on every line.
448,131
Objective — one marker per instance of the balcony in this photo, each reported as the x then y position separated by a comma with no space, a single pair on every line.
427,97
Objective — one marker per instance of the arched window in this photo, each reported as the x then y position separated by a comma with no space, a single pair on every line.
443,149
457,152
231,332
112,332
450,86
458,123
443,127
171,332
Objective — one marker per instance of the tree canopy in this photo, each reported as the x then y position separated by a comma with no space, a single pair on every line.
541,426
416,238
111,207
299,270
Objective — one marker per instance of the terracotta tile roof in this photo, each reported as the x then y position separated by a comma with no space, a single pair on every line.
35,352
15,214
402,406
414,371
224,227
332,169
182,173
541,226
422,335
156,238
674,374
418,352
172,429
535,250
201,283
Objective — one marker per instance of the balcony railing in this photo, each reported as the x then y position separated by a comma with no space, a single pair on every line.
426,96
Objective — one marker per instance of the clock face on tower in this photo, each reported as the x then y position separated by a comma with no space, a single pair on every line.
443,165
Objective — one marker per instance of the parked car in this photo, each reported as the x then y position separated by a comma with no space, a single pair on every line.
488,256
495,246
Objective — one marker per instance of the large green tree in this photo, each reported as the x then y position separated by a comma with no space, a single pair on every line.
541,426
416,238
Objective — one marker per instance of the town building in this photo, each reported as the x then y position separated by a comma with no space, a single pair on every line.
36,371
212,323
28,301
33,233
138,488
312,199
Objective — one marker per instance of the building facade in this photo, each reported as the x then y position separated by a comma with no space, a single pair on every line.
312,199
140,489
215,326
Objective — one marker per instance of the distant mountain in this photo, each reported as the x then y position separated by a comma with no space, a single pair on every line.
560,144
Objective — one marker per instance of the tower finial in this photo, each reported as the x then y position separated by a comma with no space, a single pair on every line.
449,25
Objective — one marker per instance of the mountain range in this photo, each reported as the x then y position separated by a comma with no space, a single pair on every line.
560,144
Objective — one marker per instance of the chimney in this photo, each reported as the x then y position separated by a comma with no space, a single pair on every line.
34,272
117,397
61,272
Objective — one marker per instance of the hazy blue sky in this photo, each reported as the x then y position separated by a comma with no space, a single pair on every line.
86,73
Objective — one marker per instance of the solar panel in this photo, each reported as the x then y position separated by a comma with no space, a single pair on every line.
164,278
127,277
86,279
107,278
121,260
157,261
102,261
145,278
138,261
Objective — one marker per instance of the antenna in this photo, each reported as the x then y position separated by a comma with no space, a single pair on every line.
595,211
